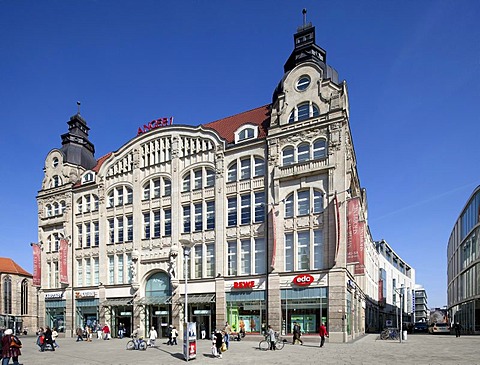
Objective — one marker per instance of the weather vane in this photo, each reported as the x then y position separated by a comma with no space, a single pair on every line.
304,12
78,107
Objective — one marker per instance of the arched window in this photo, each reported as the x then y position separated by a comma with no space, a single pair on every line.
48,210
303,111
62,207
146,191
56,210
288,157
259,168
158,285
306,202
111,199
303,152
56,181
24,297
7,295
319,149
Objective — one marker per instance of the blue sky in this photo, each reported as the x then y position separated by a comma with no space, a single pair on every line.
412,69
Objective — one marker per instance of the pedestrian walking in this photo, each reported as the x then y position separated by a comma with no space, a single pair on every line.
271,337
322,332
121,330
48,339
152,336
174,336
227,329
219,343
54,337
9,351
297,332
106,332
169,334
458,328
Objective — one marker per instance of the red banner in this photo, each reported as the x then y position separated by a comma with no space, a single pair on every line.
274,238
353,231
360,267
37,268
63,261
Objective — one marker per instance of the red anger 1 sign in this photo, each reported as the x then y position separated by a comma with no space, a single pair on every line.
37,268
303,279
156,123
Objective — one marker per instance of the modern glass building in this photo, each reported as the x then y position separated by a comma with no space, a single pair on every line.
464,267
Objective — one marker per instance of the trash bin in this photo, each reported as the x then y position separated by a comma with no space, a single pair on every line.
404,335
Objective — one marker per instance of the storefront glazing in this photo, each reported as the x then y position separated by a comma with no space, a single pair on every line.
246,310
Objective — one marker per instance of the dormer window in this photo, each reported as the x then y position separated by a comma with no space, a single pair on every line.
303,111
88,177
247,131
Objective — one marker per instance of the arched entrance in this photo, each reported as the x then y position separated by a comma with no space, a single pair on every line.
157,301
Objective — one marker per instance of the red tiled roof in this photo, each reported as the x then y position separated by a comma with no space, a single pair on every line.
226,127
8,266
100,162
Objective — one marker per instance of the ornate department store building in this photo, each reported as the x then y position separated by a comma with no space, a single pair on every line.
269,199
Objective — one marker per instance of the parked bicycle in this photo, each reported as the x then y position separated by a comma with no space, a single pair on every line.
389,334
139,344
264,345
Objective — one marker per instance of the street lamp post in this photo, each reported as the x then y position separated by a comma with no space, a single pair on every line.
187,247
400,293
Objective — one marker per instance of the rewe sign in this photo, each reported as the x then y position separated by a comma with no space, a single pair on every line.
303,279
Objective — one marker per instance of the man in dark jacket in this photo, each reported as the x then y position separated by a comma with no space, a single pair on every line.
48,339
297,333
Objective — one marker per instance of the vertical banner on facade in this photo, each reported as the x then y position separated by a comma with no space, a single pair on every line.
337,217
37,271
63,261
274,237
353,231
380,290
360,267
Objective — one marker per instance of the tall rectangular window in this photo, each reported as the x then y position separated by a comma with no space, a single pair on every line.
245,209
111,231
156,224
186,219
210,178
88,238
198,261
259,207
245,169
167,221
197,179
245,257
120,196
87,203
120,269
146,192
210,260
211,215
232,211
120,229
303,202
146,225
88,272
80,272
111,269
198,217
129,228
232,257
317,249
156,188
167,187
96,271
186,183
129,196
303,254
129,268
259,167
289,252
260,256
79,235
96,234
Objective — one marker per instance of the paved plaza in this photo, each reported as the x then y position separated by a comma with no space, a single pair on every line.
418,349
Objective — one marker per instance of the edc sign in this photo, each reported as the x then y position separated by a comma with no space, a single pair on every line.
303,279
154,124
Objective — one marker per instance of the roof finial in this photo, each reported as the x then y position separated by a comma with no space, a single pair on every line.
78,107
304,12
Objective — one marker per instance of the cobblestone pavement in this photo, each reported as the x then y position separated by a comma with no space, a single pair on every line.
418,349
